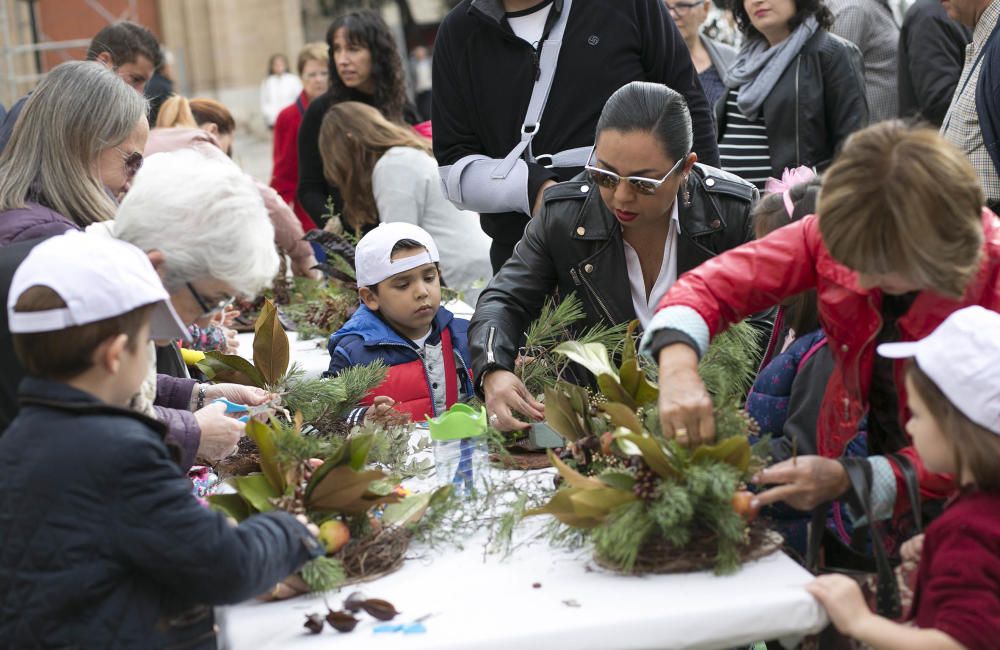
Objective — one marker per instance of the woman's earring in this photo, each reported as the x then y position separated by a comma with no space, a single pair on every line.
687,195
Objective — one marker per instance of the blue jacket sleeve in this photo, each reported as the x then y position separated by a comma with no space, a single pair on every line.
987,100
158,529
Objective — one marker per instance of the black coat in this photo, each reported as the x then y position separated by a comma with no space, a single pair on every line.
931,56
102,544
575,245
484,74
818,101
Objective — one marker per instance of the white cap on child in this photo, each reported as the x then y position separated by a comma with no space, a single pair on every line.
962,357
372,256
98,278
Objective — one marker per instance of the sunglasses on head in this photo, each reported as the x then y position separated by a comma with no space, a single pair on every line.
640,184
133,162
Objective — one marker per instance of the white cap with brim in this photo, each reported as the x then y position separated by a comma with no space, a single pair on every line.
98,278
962,358
373,254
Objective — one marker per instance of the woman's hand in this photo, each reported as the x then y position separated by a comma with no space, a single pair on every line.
238,394
803,482
685,405
232,340
843,600
219,432
506,393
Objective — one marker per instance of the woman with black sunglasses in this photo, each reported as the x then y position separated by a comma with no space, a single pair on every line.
643,212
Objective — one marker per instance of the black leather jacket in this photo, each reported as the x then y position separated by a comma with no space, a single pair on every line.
575,245
818,101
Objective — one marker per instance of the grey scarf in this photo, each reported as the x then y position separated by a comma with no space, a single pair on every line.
758,67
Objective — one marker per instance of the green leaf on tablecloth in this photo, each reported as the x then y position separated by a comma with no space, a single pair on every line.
271,353
256,490
231,505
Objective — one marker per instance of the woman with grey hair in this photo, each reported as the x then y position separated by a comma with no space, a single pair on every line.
74,150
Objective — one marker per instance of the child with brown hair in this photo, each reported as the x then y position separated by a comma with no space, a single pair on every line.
953,394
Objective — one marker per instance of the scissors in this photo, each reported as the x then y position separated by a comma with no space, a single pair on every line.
251,411
414,627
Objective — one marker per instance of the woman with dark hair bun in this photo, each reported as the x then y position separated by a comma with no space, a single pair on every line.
365,66
643,212
795,93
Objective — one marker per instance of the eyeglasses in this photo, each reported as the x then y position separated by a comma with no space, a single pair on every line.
640,184
207,308
133,162
681,8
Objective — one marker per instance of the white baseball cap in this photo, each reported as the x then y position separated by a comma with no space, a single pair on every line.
372,257
98,278
962,357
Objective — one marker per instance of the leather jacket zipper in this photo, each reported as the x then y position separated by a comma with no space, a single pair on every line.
490,340
593,292
798,155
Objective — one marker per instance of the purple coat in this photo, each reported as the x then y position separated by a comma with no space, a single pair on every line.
33,222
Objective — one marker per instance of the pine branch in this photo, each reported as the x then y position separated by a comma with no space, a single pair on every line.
729,365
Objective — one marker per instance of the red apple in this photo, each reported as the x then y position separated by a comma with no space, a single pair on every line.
334,534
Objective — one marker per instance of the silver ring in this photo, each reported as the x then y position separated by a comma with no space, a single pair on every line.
494,418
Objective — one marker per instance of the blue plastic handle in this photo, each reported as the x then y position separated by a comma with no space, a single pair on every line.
233,407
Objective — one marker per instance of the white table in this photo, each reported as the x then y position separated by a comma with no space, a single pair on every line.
493,604
311,355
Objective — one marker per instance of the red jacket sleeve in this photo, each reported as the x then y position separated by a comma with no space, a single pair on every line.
750,278
285,165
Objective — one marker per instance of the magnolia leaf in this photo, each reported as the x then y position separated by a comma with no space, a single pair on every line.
592,356
734,451
637,385
578,396
357,450
256,490
342,490
231,505
336,459
440,496
408,511
573,477
618,480
383,487
652,453
230,368
622,416
628,354
614,391
598,503
263,435
559,415
562,508
270,345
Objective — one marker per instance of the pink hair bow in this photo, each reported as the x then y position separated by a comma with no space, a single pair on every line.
789,179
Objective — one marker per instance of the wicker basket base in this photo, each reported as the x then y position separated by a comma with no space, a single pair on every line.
661,557
372,557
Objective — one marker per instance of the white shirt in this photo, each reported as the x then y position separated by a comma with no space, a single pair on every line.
277,92
664,280
530,26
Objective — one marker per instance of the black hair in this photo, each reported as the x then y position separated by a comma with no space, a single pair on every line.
803,9
126,42
365,27
407,245
654,108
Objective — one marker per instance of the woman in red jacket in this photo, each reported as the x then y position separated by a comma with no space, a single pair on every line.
315,74
900,242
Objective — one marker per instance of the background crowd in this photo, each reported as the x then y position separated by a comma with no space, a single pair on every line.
831,175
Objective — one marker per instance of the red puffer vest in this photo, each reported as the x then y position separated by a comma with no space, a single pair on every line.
758,275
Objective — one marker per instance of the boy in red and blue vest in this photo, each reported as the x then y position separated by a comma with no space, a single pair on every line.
402,323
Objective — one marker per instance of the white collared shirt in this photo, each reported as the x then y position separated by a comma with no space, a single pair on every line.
665,279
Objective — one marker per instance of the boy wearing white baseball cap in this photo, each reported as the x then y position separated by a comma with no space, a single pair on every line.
401,322
953,394
103,544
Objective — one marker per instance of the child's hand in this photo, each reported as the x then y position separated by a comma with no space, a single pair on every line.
912,549
842,598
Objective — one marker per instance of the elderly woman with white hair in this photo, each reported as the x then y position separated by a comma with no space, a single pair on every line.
204,227
75,148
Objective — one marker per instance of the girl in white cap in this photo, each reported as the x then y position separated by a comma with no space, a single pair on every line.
953,394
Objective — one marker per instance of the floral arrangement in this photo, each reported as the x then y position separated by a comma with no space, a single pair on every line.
645,503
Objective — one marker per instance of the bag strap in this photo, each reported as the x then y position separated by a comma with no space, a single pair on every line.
909,473
539,93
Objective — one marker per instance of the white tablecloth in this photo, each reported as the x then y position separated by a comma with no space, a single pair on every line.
311,355
493,604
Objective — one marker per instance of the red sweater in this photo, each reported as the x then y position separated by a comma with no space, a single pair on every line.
958,581
285,165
